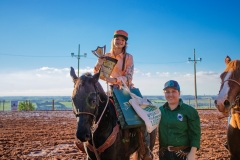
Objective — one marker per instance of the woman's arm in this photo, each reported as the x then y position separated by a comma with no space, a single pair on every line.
98,65
194,132
128,71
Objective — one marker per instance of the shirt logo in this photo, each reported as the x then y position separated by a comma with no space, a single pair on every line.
180,117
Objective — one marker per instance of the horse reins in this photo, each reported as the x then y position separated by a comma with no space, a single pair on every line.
95,125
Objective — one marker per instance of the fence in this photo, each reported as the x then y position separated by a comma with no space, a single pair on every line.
60,104
38,105
204,103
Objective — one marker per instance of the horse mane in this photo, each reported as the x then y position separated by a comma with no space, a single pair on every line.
234,67
83,78
80,81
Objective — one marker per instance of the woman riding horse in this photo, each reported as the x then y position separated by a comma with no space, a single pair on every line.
123,70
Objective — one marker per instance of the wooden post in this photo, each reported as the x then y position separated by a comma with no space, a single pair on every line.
53,104
3,104
209,103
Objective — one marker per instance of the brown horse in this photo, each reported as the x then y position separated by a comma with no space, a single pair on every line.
227,102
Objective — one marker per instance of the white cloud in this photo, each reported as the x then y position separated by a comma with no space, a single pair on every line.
210,73
163,74
136,70
49,70
47,81
43,81
146,74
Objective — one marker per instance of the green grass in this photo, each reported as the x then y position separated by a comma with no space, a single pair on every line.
67,104
7,106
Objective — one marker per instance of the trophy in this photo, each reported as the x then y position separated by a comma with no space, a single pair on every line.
108,64
100,51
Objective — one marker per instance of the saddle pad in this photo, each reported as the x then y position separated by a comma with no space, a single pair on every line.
126,114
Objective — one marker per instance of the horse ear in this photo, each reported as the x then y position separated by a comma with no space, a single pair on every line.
73,74
227,59
96,77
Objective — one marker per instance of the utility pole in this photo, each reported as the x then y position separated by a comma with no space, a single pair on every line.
195,80
78,56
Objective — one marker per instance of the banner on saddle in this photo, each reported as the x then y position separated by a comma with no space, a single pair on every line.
126,114
149,113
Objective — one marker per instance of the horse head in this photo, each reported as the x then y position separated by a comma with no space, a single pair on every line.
85,99
230,87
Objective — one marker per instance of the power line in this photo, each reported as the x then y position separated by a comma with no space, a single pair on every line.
161,62
16,55
60,56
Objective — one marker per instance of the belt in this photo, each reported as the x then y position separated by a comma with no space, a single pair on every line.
172,148
177,150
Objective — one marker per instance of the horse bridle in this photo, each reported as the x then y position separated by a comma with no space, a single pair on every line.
78,113
237,98
98,99
232,81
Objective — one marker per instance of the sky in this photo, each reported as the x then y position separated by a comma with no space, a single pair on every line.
37,38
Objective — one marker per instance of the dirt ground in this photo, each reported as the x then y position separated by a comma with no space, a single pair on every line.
44,135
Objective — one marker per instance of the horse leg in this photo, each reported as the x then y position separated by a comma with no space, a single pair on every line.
153,136
233,137
134,156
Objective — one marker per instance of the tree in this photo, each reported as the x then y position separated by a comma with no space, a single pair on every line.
26,106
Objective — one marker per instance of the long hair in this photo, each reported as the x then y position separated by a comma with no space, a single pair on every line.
124,49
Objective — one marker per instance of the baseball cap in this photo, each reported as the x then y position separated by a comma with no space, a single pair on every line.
172,84
122,33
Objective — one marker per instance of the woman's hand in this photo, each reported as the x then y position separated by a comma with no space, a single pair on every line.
111,80
100,61
192,154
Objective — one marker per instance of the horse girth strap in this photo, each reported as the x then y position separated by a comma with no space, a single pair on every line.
109,141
